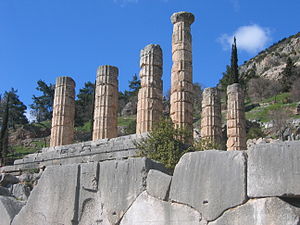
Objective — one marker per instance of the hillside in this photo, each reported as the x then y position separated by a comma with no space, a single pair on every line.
270,63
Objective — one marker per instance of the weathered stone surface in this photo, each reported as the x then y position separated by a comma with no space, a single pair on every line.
211,126
210,181
91,151
106,103
4,191
6,180
158,184
21,191
147,210
181,99
9,208
265,211
150,105
62,131
53,200
120,183
236,122
274,170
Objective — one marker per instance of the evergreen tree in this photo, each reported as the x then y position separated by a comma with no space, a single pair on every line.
234,63
17,109
43,105
231,75
4,129
288,74
85,104
134,86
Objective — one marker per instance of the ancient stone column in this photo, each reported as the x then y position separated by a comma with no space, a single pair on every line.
211,127
106,103
236,122
181,110
150,105
62,131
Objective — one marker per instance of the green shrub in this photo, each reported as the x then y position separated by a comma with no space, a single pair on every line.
165,144
206,144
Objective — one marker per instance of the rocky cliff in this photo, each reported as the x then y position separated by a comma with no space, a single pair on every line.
270,63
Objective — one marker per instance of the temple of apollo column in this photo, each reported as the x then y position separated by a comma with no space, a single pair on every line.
236,122
150,105
181,100
211,116
106,103
62,131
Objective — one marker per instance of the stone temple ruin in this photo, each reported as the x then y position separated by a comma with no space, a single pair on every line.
104,182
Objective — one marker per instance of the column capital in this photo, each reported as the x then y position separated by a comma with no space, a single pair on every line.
183,17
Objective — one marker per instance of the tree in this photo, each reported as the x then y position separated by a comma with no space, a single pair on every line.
231,75
260,88
288,74
134,87
43,105
234,63
295,91
197,98
17,109
165,144
12,113
85,104
4,130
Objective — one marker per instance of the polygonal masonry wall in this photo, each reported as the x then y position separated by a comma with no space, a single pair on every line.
207,188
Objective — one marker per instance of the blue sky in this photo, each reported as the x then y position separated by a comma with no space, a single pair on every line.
43,39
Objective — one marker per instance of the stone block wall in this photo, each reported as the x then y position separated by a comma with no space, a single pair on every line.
259,186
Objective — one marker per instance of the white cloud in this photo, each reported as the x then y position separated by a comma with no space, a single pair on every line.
251,39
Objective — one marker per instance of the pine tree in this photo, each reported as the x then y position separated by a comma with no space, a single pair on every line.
234,63
85,104
17,109
231,75
4,129
43,105
287,75
134,86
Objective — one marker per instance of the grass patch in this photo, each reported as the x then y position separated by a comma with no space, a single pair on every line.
124,121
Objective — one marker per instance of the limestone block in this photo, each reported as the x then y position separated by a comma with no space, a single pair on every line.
4,191
158,184
210,181
265,211
274,170
21,191
120,183
53,200
9,208
6,180
147,210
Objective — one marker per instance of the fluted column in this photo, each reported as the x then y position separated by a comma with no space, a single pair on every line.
211,127
62,131
181,99
150,105
236,122
106,103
